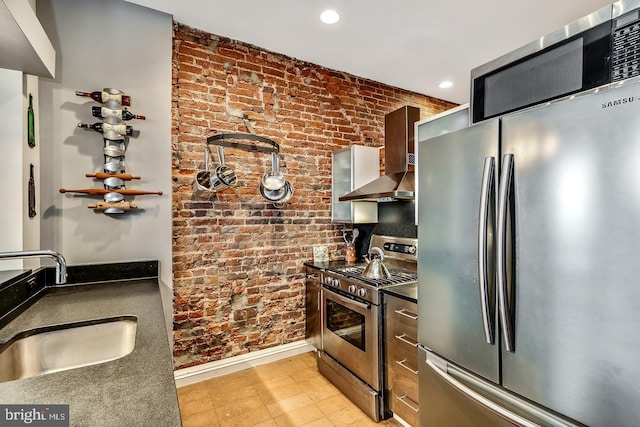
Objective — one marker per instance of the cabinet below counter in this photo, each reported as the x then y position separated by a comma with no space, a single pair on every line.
313,315
137,389
401,358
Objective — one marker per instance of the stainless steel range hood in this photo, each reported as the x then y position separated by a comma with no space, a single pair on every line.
394,186
398,182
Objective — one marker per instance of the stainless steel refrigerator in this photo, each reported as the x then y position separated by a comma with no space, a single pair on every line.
529,267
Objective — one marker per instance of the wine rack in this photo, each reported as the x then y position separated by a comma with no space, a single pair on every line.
115,135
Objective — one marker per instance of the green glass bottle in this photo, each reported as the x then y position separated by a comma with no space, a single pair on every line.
31,124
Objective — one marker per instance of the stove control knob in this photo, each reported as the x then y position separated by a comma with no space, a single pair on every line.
352,289
362,292
336,283
412,250
327,280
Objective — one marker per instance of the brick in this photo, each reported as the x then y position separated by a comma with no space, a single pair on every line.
238,261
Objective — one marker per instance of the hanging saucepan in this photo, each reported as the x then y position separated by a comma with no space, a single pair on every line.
274,179
287,195
203,177
273,195
278,196
223,175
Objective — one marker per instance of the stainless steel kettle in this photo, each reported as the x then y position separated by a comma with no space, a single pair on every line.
375,267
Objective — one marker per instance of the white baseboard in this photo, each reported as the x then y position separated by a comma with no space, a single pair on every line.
206,371
401,421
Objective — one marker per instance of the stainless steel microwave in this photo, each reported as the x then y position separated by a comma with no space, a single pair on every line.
601,48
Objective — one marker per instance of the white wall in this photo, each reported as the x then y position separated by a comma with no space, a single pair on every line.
11,141
119,45
19,232
31,155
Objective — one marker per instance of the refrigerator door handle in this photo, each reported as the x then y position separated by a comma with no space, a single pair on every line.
480,399
501,251
483,280
457,378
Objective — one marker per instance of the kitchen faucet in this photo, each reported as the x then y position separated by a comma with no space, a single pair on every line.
61,263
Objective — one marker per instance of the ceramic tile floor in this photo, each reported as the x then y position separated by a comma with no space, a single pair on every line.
289,392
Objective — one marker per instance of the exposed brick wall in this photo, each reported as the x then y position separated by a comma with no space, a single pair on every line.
237,260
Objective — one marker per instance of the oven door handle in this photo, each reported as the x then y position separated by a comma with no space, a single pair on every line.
359,304
350,301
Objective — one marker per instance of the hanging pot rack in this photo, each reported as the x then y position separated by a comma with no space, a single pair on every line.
226,140
230,140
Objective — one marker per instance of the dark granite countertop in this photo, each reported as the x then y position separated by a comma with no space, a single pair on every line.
408,291
135,390
10,276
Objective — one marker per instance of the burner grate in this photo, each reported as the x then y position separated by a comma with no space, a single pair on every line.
398,276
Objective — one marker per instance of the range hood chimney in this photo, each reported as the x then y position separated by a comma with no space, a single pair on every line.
398,181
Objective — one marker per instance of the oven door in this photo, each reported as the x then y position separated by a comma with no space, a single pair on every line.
350,335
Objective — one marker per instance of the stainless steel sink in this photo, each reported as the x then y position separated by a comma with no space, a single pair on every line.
66,346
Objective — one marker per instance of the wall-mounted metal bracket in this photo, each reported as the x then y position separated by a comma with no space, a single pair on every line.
228,140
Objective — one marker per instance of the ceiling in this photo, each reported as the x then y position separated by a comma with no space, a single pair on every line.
411,44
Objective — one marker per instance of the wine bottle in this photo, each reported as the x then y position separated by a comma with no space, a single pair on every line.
124,114
104,127
107,94
31,124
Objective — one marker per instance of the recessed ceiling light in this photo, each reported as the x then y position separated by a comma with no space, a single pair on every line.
445,84
329,16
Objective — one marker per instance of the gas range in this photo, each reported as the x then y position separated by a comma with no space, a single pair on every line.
352,317
349,280
398,275
400,257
